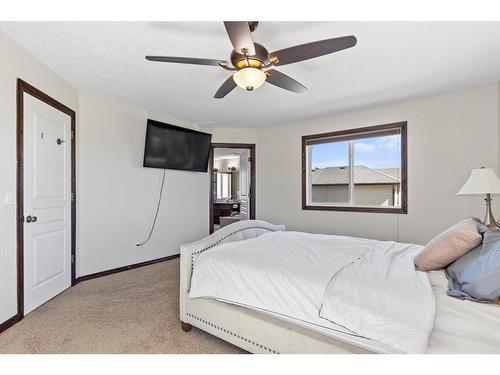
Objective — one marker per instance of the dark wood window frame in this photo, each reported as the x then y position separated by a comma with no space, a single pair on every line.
25,88
358,133
249,146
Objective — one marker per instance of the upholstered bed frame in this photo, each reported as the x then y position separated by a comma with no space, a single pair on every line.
248,329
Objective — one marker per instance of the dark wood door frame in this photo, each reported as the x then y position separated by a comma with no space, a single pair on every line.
25,88
249,146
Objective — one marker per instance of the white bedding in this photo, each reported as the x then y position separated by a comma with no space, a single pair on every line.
279,272
383,297
462,326
286,273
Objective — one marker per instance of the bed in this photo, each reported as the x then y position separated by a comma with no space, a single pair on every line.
265,290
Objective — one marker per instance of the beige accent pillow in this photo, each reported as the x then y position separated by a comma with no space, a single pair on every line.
448,246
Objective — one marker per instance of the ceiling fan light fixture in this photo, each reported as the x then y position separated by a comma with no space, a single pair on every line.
249,78
252,64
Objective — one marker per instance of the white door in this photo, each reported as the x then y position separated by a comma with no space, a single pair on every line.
47,202
245,185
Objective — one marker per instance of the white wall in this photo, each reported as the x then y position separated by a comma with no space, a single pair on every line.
234,135
16,62
447,137
223,165
117,197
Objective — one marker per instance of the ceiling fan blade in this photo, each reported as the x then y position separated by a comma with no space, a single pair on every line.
314,49
283,81
240,36
184,60
226,88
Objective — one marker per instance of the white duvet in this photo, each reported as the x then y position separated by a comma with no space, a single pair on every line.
382,297
359,286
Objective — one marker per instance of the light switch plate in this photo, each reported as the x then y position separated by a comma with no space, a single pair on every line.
8,198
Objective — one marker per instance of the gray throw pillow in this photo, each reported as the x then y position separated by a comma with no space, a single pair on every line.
481,227
476,275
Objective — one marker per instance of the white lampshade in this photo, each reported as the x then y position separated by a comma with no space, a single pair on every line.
249,78
481,181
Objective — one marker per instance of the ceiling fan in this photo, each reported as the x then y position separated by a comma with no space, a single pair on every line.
253,65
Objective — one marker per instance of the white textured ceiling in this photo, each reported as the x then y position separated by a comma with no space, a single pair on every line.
391,62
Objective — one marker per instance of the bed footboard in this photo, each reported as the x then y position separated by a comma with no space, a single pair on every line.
239,231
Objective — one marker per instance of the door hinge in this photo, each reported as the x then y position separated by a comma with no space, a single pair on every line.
72,134
72,197
72,258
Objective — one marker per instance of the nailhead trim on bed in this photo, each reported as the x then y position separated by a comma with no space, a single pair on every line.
232,334
220,240
216,326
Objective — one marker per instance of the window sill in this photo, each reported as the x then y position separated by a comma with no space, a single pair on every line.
385,210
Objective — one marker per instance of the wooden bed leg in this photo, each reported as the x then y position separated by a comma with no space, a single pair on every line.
186,327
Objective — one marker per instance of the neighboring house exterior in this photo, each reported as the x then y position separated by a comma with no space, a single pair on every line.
372,187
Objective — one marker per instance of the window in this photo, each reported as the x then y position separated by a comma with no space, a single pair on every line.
224,180
356,170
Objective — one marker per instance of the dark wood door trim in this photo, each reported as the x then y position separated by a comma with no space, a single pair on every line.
22,88
249,146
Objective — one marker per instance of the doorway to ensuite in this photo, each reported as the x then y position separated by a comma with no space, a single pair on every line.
232,184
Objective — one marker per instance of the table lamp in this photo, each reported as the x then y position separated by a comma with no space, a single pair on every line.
483,181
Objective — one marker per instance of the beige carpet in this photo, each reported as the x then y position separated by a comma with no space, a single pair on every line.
134,311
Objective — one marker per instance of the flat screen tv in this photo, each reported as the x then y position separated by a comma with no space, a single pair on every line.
173,147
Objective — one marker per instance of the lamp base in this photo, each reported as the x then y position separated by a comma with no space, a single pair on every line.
489,219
